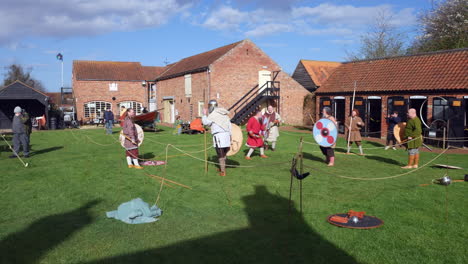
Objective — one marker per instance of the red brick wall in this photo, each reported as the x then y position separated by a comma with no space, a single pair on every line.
230,77
175,87
87,91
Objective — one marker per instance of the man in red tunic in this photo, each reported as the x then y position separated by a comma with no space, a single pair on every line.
254,128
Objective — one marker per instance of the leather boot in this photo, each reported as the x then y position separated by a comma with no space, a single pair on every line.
410,162
416,161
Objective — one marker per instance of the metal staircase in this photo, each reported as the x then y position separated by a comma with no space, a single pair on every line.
253,99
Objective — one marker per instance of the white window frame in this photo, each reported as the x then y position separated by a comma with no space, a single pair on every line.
95,109
201,106
188,85
137,106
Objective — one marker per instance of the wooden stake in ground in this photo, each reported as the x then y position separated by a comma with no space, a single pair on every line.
351,118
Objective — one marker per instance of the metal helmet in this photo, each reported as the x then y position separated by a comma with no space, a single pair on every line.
212,104
445,180
354,219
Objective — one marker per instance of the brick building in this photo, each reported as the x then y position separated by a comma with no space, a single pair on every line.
101,84
227,74
436,84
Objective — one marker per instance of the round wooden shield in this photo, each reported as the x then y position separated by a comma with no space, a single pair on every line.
399,131
141,136
325,132
236,140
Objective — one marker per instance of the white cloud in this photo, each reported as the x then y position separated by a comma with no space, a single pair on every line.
268,29
323,19
51,18
226,18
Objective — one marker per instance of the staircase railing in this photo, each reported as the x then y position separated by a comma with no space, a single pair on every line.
252,100
270,87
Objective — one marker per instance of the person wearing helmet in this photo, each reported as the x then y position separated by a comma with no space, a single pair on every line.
328,152
220,125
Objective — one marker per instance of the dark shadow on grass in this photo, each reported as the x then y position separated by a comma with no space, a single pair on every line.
376,144
312,157
148,155
42,151
303,128
384,160
32,243
272,236
229,162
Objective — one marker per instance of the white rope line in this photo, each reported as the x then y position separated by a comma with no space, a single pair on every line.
382,178
227,165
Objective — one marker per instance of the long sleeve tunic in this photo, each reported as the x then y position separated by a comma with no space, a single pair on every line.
414,130
356,129
254,127
129,130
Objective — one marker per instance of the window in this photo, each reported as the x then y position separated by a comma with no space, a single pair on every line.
188,85
201,105
113,87
138,107
96,109
440,109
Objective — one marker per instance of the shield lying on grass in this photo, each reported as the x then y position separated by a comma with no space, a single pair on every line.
366,222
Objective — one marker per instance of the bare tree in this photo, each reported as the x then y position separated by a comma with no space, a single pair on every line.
444,27
383,39
16,72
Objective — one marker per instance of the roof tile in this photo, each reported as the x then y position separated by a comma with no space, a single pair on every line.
429,71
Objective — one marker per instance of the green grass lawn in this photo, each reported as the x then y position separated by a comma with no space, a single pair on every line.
54,210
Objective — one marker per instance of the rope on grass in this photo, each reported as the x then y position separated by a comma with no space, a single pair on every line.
163,178
382,178
227,165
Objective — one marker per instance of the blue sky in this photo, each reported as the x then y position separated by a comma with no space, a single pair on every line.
152,32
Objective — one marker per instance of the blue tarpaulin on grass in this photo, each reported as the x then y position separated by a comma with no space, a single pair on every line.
136,211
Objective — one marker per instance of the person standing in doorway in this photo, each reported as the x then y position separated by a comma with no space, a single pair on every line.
392,121
108,120
413,138
20,134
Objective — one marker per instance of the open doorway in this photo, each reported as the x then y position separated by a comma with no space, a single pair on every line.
374,117
339,110
416,102
465,134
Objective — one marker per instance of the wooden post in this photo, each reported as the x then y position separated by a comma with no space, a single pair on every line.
443,139
351,118
206,153
301,171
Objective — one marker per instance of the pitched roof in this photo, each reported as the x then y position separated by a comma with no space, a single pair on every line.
21,91
196,63
319,71
427,71
151,72
114,70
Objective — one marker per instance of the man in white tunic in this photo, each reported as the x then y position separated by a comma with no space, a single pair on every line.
272,129
220,124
